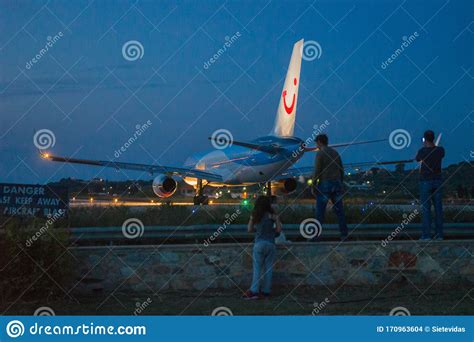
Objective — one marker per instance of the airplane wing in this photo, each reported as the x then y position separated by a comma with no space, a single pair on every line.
138,167
315,148
308,171
271,149
361,164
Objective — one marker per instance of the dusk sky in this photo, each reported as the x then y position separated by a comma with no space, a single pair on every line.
91,97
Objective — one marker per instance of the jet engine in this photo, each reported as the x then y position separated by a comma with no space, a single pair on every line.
284,187
164,186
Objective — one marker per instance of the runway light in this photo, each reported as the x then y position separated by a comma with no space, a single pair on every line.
245,202
211,201
115,200
74,198
310,181
91,199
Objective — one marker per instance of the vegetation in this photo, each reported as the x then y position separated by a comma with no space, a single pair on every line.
34,262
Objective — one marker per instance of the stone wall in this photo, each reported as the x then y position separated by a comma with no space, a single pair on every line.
176,267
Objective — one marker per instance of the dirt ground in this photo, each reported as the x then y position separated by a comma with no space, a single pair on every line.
284,301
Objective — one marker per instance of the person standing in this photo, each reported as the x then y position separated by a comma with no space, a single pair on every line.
430,157
328,183
266,225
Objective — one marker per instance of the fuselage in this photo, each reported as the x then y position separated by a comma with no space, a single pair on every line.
243,166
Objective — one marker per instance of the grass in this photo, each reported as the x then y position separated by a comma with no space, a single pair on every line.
347,300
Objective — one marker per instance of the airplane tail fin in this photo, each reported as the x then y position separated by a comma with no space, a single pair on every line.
286,113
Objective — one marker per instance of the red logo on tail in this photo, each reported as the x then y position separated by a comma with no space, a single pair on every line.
289,109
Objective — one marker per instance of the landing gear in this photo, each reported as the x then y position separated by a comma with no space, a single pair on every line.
269,189
200,198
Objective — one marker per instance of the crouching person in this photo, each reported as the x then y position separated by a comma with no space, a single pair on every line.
266,225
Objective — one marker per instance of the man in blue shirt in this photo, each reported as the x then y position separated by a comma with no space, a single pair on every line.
430,157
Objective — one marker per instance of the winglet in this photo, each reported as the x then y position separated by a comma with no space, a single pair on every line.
438,139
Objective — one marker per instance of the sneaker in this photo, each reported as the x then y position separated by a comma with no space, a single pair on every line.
264,295
249,295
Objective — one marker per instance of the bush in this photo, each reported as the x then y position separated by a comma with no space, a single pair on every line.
33,260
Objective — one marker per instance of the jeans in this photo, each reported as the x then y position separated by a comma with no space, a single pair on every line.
331,190
430,191
263,258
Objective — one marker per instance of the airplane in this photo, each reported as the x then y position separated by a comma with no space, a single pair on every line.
265,160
